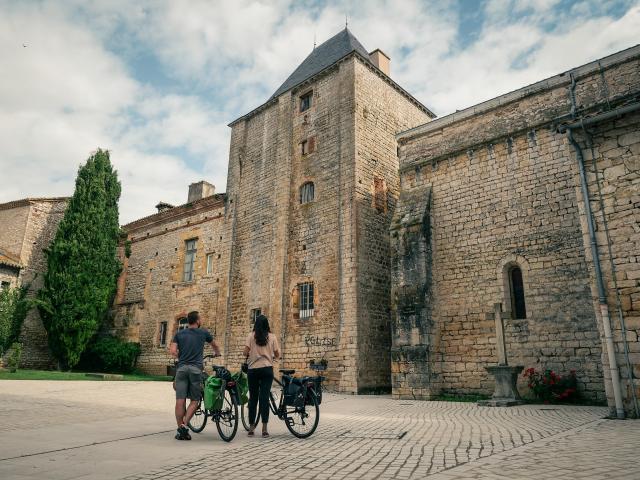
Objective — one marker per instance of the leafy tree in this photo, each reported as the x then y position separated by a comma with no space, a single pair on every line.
82,266
14,307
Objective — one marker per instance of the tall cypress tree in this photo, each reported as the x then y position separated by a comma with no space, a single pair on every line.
82,266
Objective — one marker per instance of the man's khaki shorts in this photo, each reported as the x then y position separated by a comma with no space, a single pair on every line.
188,382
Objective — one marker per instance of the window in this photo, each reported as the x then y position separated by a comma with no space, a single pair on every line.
306,192
308,146
162,340
255,312
209,263
518,309
305,101
4,285
183,323
305,292
189,260
379,195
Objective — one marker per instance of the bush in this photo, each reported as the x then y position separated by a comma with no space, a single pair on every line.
551,387
14,307
110,355
13,361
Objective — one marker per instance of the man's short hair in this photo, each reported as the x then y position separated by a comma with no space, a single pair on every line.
193,317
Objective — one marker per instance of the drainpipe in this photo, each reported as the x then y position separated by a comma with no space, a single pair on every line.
602,297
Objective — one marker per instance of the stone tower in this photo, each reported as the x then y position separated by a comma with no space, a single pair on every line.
312,186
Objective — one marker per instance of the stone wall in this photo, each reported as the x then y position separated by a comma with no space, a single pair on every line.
29,226
613,174
381,112
279,243
505,191
151,289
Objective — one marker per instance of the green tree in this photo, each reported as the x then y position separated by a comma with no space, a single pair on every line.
82,266
14,307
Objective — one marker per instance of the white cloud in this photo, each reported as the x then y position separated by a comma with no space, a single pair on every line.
79,83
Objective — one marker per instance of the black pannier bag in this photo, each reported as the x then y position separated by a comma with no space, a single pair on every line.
294,392
314,383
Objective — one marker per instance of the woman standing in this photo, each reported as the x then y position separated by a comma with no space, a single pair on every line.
261,349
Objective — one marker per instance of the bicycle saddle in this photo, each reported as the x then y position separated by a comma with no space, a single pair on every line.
287,371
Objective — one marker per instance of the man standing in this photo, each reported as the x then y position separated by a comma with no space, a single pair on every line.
188,347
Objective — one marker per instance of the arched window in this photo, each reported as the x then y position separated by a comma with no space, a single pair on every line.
516,287
306,192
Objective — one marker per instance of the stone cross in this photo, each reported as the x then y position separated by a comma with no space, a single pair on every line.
500,343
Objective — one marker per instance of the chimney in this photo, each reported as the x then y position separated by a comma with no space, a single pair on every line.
200,190
380,60
162,206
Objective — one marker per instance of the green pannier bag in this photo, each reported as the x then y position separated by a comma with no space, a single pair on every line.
243,386
213,393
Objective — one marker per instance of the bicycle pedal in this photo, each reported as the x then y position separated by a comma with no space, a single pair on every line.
290,421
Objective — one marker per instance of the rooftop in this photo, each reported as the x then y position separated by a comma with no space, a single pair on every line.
28,200
323,56
514,96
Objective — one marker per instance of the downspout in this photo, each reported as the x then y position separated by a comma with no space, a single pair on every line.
602,297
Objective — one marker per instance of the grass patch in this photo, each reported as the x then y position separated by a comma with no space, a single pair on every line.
55,375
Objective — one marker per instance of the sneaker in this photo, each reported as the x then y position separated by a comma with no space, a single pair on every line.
183,433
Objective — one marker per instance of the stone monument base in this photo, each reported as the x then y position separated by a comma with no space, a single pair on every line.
506,392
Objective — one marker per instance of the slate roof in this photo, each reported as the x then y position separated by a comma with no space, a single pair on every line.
323,56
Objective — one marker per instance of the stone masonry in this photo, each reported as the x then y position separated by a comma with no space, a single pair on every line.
339,241
497,186
27,227
152,289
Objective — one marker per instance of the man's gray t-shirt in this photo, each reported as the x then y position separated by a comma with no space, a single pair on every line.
191,345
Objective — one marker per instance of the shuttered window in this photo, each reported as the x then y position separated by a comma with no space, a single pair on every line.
307,193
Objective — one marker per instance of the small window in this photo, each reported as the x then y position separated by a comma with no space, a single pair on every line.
4,285
183,323
255,313
189,261
305,101
379,194
162,340
305,292
518,309
209,263
307,193
304,147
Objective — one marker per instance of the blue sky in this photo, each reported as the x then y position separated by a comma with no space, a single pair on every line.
157,82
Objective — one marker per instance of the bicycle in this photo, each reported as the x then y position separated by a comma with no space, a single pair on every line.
296,402
226,417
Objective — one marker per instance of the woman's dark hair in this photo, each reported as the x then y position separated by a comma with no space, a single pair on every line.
261,329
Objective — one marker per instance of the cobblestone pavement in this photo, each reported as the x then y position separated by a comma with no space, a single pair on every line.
123,430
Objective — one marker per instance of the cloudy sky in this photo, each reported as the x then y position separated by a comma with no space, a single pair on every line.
157,82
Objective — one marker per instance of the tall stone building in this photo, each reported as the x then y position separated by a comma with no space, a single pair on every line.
312,184
27,227
530,200
301,234
173,262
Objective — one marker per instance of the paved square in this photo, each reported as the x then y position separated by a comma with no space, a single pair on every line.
60,430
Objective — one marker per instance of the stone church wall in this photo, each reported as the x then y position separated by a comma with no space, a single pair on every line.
504,190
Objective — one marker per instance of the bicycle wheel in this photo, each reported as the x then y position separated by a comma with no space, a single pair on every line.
244,415
199,419
303,421
227,417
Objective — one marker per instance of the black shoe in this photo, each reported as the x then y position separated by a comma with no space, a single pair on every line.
183,433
